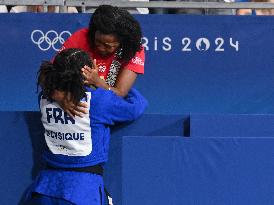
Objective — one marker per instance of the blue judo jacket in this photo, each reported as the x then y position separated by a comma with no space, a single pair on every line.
80,142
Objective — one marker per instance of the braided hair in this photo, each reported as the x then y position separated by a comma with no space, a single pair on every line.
113,20
64,74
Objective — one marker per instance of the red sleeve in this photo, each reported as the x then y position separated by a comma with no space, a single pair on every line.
136,64
77,40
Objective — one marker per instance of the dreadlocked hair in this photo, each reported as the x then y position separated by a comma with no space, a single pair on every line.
64,74
113,20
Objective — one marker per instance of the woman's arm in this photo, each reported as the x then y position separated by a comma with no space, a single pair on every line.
124,82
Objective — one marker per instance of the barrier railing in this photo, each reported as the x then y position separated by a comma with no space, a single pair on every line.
150,4
33,2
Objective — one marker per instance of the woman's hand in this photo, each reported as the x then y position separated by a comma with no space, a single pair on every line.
68,106
91,74
124,82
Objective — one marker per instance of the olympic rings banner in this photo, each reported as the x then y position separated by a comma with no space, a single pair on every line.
50,39
194,64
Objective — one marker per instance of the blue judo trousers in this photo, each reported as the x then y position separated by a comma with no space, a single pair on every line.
78,143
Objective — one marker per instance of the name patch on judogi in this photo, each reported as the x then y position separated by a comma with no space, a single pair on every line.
64,134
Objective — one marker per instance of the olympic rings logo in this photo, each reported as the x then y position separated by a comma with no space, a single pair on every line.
50,39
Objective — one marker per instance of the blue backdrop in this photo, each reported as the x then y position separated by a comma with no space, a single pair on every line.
194,64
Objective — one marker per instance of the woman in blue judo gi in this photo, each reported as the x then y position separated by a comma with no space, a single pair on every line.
77,148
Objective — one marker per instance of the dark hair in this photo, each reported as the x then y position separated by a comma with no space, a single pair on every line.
113,20
64,74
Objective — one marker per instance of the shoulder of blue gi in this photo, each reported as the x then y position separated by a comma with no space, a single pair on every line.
109,108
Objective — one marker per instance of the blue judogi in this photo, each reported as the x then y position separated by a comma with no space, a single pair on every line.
81,142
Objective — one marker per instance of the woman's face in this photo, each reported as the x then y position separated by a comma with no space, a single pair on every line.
105,44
